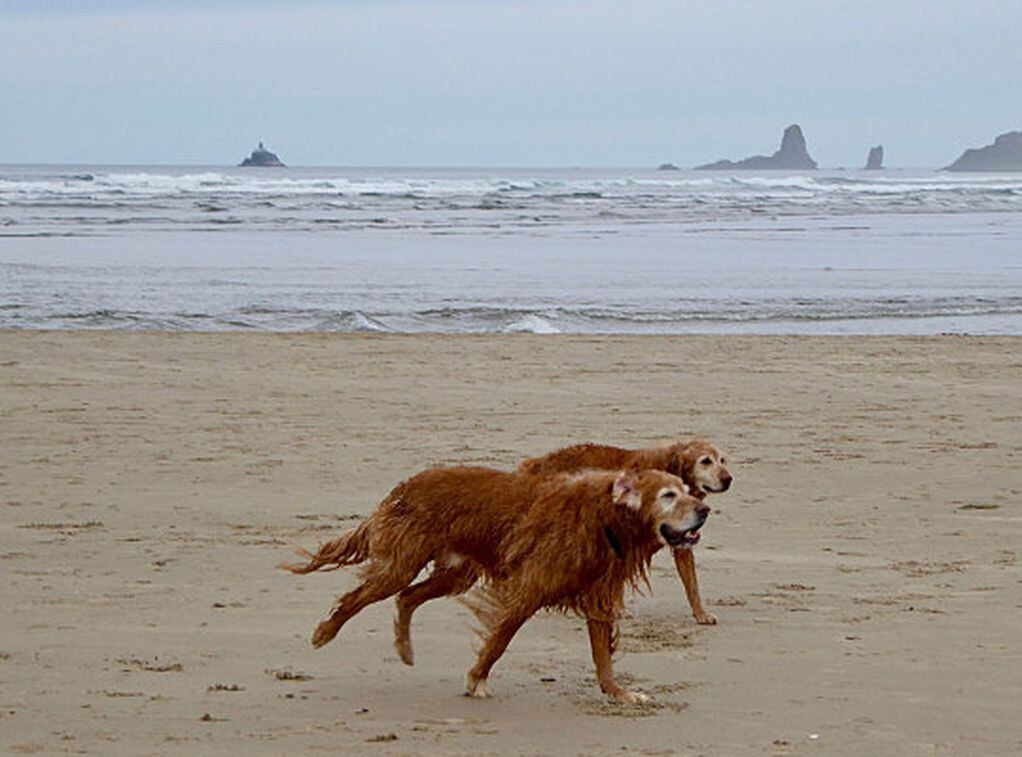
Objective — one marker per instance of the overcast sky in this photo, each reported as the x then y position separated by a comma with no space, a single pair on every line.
495,83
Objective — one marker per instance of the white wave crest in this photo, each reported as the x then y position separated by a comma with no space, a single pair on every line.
363,322
531,324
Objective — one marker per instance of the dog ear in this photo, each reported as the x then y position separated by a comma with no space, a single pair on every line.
626,490
684,460
675,460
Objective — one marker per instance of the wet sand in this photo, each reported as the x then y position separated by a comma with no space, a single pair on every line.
863,567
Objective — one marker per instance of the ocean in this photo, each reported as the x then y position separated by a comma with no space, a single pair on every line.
509,250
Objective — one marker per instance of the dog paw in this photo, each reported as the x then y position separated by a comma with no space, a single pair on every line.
706,619
632,697
477,689
324,633
404,651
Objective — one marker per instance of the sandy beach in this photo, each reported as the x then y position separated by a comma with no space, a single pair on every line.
863,566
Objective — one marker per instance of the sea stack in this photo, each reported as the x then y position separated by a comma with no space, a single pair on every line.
875,161
667,167
792,156
1005,154
263,158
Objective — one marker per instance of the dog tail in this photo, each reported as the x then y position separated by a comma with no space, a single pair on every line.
349,548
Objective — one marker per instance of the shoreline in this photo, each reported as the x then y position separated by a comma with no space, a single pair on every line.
863,566
253,333
423,271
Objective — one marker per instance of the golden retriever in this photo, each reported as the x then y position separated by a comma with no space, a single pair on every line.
585,537
570,541
445,499
698,463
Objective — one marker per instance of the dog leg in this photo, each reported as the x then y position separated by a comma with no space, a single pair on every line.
378,585
685,561
601,640
475,683
443,582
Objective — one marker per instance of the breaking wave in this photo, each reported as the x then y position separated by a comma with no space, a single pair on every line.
509,251
303,198
806,316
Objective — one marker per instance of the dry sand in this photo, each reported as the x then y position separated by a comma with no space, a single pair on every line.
864,565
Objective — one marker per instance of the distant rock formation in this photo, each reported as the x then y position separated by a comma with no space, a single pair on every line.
1005,154
667,167
792,156
875,161
262,157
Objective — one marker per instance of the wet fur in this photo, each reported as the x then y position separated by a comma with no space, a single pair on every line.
680,458
540,541
558,556
452,517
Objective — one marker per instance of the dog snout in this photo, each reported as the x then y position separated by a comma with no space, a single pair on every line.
725,481
702,510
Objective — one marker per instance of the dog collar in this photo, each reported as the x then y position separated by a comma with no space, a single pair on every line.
615,543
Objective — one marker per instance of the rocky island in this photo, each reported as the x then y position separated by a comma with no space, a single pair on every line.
263,158
1005,154
875,161
792,156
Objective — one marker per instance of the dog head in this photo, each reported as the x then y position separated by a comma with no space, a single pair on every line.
700,465
663,504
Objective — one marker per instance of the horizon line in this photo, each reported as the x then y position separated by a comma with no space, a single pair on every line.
469,167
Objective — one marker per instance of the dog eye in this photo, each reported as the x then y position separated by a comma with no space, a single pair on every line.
705,461
669,494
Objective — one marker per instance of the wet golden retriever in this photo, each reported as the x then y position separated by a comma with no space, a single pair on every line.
585,538
698,463
443,498
570,541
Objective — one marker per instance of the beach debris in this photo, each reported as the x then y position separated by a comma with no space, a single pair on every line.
288,675
730,602
68,529
225,687
152,667
920,568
